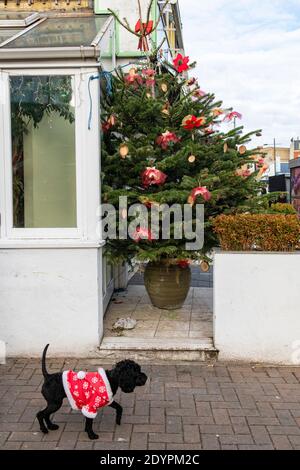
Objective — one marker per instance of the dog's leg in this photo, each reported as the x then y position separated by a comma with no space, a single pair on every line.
54,408
45,415
119,411
89,429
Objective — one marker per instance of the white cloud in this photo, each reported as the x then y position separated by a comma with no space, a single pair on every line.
248,54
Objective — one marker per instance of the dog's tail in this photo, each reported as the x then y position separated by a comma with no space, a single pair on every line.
44,370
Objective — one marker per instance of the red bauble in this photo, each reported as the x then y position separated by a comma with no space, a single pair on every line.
134,79
149,74
152,176
200,191
166,138
142,233
183,263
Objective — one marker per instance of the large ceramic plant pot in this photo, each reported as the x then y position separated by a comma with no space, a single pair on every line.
167,285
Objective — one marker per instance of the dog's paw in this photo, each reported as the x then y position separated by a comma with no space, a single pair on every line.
53,427
93,436
118,421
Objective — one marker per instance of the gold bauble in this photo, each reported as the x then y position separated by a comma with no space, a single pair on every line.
164,87
165,109
204,266
123,150
112,120
225,147
242,149
191,158
132,71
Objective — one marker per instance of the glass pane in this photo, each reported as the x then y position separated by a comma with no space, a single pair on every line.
43,151
61,32
6,33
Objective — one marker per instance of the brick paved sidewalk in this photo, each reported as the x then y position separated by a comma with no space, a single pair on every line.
182,407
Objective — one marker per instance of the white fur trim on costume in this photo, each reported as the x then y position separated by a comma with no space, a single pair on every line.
67,390
87,413
81,375
102,373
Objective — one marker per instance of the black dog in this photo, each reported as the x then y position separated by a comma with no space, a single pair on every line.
126,374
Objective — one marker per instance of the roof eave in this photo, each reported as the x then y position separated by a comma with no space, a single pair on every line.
44,53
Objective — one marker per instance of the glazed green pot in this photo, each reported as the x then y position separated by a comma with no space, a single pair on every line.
167,286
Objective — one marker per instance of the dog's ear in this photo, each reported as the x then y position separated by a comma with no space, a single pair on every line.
127,382
123,365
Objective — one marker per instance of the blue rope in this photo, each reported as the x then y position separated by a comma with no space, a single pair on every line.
91,78
108,78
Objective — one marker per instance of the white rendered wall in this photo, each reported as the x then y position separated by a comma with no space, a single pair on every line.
257,307
125,9
51,296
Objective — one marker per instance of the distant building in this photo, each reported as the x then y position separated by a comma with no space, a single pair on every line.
295,148
282,157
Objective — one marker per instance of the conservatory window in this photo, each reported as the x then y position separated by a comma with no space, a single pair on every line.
43,151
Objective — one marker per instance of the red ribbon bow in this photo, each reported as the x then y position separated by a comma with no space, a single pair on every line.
145,29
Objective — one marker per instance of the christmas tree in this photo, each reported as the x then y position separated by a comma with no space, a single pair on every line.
162,144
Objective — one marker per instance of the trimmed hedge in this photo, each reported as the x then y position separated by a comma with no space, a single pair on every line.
283,208
258,232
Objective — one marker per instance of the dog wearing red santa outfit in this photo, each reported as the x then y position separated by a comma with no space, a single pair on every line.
87,391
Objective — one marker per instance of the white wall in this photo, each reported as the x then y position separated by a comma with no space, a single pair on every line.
257,307
51,296
125,9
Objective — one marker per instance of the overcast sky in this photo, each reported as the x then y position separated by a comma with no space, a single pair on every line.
248,54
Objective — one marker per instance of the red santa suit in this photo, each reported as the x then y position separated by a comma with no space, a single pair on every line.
87,391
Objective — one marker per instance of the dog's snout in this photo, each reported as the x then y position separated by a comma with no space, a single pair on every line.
142,379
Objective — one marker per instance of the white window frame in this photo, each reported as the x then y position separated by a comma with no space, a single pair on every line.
6,182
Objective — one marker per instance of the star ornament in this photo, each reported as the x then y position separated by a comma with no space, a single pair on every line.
181,63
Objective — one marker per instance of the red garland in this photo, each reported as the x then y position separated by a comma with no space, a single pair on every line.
152,176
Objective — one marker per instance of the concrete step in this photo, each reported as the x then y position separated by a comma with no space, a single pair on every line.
161,349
